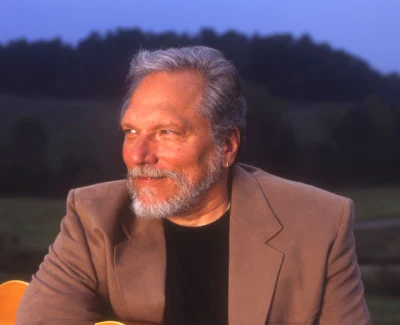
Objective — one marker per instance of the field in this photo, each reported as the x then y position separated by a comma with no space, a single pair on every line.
36,222
384,310
373,203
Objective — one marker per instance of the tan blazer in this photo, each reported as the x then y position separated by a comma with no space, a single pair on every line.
291,261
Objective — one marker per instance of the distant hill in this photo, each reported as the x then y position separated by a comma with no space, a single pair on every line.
295,69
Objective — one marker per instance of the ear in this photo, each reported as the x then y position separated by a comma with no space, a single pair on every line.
231,147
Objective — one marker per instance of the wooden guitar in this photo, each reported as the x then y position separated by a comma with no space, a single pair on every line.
125,323
11,293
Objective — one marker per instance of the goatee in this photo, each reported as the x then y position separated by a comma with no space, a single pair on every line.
145,203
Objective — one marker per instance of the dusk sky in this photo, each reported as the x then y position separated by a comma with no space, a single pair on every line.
370,29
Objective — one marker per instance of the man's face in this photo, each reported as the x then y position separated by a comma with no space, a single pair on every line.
168,148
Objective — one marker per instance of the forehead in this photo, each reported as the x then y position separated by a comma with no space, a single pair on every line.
162,93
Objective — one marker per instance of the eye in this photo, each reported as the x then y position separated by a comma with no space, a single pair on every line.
130,131
167,132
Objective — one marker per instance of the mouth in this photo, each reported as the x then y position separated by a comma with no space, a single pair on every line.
148,179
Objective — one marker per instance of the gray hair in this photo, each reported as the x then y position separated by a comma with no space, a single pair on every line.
222,103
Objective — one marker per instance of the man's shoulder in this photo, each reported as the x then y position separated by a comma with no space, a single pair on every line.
100,205
101,190
286,189
296,204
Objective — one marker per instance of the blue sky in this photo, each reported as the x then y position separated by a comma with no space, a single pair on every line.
369,29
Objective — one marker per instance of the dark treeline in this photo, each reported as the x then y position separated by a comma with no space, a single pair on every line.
315,114
296,69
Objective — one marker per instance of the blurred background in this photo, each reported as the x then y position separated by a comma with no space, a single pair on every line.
322,80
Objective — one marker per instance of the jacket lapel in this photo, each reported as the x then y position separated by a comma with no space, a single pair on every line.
253,265
140,264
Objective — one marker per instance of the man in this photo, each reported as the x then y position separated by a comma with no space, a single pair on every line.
194,237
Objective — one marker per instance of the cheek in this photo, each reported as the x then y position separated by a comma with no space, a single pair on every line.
125,154
186,157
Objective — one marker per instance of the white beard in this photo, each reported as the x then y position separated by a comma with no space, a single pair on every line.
144,203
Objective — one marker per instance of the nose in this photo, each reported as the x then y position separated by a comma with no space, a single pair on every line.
143,152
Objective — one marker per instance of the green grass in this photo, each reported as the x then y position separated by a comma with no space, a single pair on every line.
375,202
36,222
384,310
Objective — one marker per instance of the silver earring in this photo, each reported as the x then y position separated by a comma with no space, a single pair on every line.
227,165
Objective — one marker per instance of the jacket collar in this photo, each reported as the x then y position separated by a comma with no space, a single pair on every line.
250,206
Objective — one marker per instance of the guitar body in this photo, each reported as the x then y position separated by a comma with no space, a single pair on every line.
11,293
125,323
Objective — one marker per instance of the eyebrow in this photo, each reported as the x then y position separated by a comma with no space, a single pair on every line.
182,124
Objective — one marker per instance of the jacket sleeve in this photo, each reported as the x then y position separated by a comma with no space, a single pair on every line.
343,299
63,291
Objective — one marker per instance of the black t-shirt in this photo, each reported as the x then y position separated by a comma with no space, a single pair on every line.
196,286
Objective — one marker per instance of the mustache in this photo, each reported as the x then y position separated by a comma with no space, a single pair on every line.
153,172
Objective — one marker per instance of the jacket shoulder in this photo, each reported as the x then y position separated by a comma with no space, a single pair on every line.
100,205
298,202
100,190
